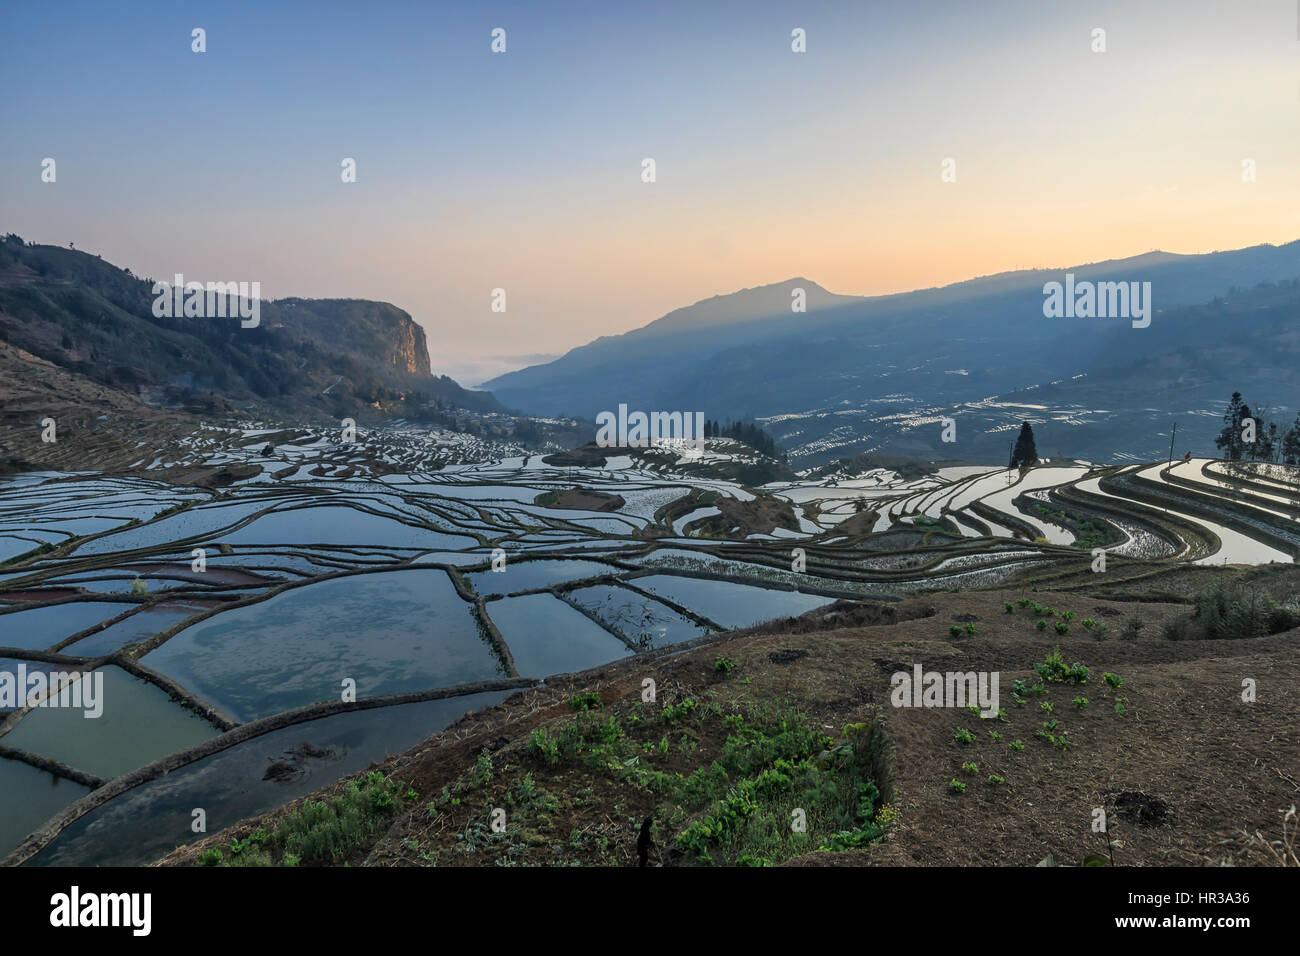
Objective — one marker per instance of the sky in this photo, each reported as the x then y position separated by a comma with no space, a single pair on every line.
522,170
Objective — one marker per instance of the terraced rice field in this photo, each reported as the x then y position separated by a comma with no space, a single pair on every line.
258,640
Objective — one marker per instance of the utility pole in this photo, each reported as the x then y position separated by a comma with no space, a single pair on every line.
1171,443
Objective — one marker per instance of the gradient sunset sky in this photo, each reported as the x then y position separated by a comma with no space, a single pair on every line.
523,170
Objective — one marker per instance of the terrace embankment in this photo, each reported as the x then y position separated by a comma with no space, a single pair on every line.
1184,768
94,426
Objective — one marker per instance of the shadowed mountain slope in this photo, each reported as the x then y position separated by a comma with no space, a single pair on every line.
863,374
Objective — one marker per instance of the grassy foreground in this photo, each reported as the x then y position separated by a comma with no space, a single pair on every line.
1170,704
709,784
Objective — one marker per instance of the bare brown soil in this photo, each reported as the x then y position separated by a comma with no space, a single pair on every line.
861,523
96,427
762,515
736,519
580,499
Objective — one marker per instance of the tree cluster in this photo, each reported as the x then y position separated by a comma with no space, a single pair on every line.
745,432
1249,436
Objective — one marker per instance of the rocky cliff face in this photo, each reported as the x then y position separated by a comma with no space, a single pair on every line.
411,348
314,356
378,332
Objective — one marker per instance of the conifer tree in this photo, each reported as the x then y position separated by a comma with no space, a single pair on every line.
1229,438
1025,452
1291,443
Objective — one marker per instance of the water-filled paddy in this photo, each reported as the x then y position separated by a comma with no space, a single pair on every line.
339,524
76,527
140,626
642,620
457,558
257,775
546,636
11,546
527,575
405,628
730,605
9,668
29,797
138,725
186,524
39,627
392,631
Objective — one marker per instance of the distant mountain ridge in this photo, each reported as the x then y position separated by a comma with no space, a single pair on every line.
311,356
855,374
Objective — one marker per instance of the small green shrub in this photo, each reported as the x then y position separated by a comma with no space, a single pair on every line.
1054,670
544,745
481,774
1226,610
675,712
